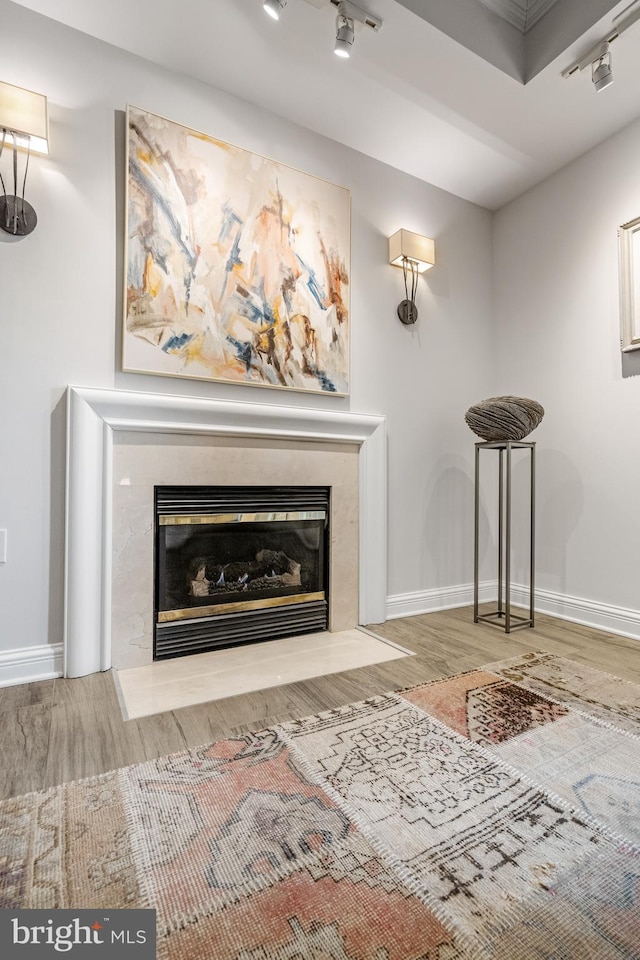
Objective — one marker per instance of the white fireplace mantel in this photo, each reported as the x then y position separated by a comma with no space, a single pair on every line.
94,415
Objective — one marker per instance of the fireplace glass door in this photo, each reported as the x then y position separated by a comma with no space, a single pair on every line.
239,564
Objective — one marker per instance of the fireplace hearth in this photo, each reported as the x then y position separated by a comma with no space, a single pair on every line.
238,564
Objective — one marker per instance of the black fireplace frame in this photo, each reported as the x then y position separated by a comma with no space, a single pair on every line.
202,634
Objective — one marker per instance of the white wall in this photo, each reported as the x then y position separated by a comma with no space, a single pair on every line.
557,316
60,313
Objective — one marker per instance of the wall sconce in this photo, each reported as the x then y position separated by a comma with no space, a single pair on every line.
414,254
24,125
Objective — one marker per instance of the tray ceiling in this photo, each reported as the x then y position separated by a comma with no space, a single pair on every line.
519,37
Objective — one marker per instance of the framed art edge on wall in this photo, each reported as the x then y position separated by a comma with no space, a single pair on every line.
629,269
316,357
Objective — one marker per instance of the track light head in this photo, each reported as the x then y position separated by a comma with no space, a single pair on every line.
601,72
274,7
344,36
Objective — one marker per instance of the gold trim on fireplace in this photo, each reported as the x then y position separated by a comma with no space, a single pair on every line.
174,520
190,613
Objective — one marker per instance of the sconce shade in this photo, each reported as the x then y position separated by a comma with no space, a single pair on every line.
404,245
24,113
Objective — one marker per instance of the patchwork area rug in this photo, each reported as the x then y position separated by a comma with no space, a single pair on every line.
492,815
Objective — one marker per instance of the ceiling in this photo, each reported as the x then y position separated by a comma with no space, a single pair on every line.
460,93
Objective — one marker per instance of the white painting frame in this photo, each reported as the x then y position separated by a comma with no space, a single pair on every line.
629,264
237,267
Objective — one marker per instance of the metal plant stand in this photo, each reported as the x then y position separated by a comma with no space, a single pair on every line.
503,617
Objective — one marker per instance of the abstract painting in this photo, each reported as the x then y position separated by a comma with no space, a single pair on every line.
237,267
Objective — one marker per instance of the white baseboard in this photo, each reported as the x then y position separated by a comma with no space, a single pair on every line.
45,662
588,613
439,598
30,664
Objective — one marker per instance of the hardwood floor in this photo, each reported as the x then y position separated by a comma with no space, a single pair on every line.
60,730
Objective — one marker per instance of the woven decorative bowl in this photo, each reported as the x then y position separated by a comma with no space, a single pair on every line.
504,418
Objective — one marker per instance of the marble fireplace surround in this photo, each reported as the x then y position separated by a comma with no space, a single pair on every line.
94,416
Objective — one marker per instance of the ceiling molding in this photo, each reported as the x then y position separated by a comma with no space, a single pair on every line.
522,14
513,11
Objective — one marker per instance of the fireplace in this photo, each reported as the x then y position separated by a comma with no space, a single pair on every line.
120,444
238,564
